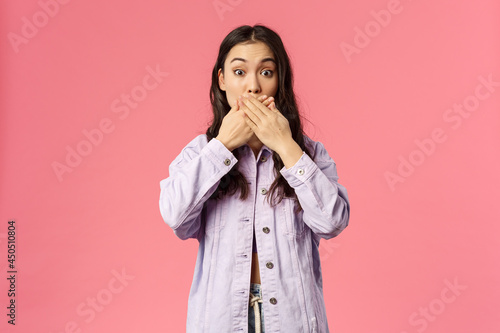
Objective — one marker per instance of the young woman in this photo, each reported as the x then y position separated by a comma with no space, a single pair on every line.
258,195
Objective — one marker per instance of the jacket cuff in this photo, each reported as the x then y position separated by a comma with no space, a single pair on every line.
222,157
301,171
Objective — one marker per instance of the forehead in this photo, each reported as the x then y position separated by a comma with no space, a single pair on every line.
252,53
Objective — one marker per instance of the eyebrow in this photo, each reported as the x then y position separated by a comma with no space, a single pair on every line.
263,60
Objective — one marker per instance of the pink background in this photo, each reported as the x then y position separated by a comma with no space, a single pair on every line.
390,271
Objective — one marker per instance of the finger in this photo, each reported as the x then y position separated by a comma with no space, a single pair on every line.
250,103
250,113
251,124
268,101
258,108
235,108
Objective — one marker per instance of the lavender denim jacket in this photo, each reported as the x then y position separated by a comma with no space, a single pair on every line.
287,243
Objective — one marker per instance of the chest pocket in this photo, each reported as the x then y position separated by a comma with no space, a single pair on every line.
294,224
214,217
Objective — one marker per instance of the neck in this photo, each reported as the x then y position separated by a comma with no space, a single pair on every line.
255,144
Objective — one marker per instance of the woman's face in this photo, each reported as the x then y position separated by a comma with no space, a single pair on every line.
249,68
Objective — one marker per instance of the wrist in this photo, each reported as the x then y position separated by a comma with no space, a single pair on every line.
223,141
290,153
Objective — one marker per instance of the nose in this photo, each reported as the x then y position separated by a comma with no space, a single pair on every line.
253,86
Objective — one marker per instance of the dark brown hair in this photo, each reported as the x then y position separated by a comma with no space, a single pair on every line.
284,100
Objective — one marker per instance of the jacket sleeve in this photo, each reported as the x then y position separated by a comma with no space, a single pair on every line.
193,177
324,201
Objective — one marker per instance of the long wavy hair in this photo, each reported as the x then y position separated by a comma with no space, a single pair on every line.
285,103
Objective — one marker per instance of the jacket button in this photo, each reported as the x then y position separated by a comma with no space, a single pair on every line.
263,159
300,171
269,265
263,191
266,230
227,161
273,300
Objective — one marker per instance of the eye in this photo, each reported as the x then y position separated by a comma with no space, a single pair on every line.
269,71
237,70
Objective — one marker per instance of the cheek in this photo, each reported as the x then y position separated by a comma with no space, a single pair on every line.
272,86
270,91
231,100
232,90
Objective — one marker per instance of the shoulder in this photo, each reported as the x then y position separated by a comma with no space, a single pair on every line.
196,144
213,149
200,140
317,150
191,149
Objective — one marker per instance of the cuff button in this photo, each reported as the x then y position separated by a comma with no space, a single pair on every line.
300,171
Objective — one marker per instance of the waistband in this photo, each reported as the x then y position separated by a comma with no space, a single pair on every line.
255,299
255,288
